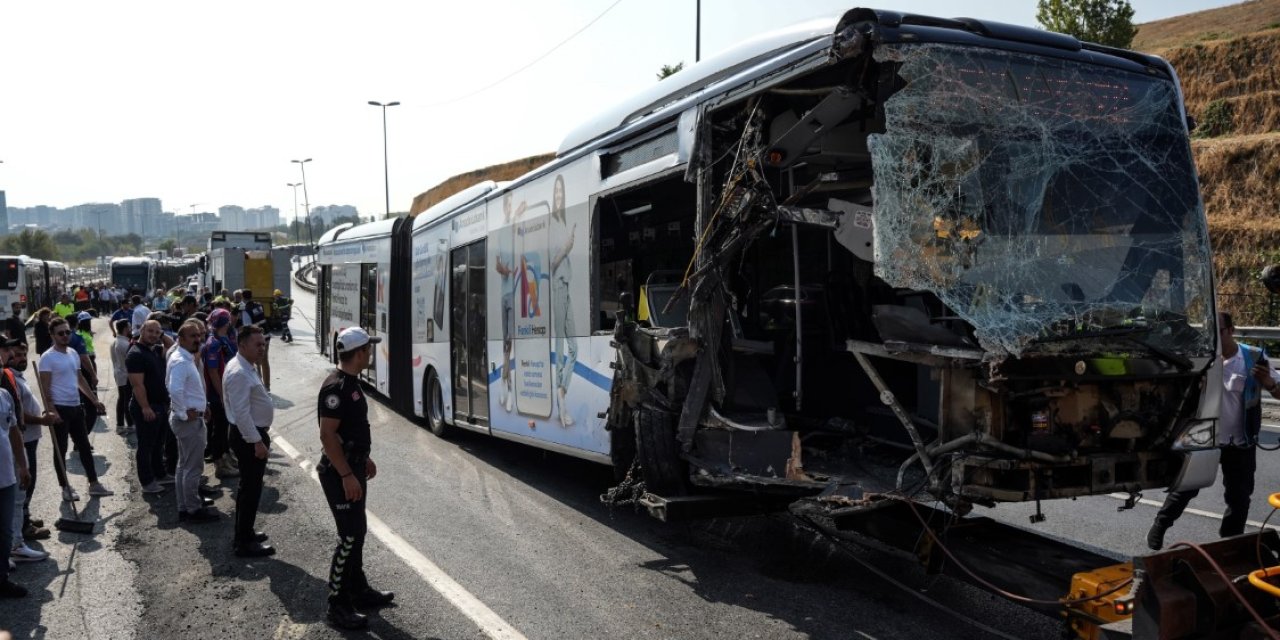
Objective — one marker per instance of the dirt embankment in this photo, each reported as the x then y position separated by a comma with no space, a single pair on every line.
1232,88
498,173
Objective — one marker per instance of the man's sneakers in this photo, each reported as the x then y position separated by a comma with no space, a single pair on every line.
96,489
1155,537
70,495
198,516
11,590
23,553
226,468
167,479
34,532
152,487
344,616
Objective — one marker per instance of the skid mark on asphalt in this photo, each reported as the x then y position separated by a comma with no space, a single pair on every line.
489,622
497,498
1199,512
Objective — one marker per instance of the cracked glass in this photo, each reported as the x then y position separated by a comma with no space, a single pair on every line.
1044,201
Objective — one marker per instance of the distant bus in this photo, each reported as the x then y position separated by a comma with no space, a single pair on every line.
33,282
137,275
175,272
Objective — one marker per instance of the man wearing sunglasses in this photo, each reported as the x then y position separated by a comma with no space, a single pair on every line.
61,383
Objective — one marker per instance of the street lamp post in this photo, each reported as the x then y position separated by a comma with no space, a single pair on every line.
296,226
386,176
306,200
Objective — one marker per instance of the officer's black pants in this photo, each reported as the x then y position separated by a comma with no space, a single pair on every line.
346,571
1238,466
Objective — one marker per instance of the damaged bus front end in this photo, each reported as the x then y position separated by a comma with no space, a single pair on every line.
932,257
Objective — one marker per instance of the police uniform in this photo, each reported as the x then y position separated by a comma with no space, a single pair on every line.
342,398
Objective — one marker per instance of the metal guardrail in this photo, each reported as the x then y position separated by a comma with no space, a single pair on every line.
304,276
1258,333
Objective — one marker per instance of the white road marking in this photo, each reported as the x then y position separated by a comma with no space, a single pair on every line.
1199,512
489,622
1271,427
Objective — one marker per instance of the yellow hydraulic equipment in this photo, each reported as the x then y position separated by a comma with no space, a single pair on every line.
1112,599
1261,578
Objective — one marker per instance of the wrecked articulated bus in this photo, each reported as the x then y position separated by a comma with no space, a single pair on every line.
950,259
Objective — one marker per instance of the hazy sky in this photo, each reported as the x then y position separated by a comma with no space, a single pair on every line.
207,103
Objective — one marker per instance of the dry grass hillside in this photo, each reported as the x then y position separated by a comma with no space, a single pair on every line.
1229,62
1213,24
497,173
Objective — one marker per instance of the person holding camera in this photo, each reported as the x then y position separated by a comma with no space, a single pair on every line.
1245,375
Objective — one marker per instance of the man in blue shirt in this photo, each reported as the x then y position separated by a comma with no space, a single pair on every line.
125,312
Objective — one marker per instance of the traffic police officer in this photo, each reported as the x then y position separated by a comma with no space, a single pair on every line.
345,469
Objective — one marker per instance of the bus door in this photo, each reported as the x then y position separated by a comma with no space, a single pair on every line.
467,334
368,315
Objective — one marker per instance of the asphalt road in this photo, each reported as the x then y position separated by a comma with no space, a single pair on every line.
484,538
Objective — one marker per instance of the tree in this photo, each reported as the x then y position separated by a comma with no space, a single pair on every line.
31,242
1106,22
669,70
167,245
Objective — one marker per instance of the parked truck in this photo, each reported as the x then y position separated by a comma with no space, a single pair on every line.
246,260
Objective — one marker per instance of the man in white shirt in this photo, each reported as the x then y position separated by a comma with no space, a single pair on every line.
140,314
186,418
250,413
61,382
34,419
1245,375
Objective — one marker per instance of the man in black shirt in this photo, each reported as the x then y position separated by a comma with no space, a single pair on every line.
345,469
149,406
14,326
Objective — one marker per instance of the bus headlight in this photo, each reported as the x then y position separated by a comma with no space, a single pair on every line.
1199,434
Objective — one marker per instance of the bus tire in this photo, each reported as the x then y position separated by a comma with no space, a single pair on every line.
433,405
664,471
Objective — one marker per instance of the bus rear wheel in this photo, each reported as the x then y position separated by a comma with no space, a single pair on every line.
433,396
664,471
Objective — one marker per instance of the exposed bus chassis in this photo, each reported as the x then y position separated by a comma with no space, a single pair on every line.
1001,428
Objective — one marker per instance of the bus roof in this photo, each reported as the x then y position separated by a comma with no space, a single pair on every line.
333,233
697,78
455,201
127,261
365,231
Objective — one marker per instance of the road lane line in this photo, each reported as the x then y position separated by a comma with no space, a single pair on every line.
1199,512
489,622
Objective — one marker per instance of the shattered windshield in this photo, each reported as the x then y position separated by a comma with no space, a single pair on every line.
1041,200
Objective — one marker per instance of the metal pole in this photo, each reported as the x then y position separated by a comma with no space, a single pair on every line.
297,224
386,172
697,36
386,168
306,204
306,200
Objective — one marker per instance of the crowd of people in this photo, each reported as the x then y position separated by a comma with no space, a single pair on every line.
193,385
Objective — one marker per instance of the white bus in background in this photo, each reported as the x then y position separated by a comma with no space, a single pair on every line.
135,274
33,282
358,283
